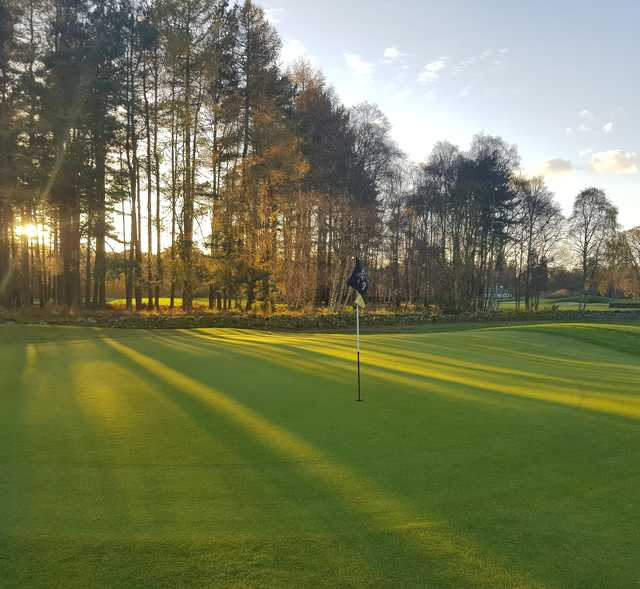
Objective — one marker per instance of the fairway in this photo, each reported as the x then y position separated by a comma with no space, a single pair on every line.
486,457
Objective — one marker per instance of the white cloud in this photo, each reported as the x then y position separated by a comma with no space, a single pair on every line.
431,71
431,96
393,54
585,114
586,152
608,128
294,50
569,131
359,67
584,128
615,161
496,57
556,166
466,91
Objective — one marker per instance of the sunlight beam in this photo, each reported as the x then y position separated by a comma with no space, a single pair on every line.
464,560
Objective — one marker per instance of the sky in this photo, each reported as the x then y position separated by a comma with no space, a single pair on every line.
558,78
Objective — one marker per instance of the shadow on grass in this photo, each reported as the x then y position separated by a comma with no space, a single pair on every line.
438,552
434,373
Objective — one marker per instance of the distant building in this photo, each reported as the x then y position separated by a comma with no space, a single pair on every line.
495,295
501,292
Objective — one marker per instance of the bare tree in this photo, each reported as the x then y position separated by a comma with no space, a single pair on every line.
539,225
592,222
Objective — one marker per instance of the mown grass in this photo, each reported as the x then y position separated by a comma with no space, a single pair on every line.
548,304
482,457
594,303
198,303
163,301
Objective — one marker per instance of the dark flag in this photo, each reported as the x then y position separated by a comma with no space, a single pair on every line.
359,282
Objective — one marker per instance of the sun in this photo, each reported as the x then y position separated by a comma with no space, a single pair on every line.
29,231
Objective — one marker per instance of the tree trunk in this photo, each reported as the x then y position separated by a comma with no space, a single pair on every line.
100,272
188,207
147,127
156,155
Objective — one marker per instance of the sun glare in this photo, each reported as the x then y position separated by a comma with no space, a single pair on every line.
30,230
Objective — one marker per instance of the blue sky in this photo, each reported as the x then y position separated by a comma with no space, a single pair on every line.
559,78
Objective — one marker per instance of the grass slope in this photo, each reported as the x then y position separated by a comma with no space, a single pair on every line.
489,457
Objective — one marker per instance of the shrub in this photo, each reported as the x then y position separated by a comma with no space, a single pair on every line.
587,299
560,294
319,320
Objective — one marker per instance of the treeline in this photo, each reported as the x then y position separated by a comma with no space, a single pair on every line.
160,144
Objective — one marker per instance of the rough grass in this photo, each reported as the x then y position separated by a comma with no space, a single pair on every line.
481,457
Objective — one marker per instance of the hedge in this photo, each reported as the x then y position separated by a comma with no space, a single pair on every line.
297,322
625,305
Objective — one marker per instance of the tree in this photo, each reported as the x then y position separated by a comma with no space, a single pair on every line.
265,96
119,113
106,22
327,144
8,18
187,30
222,101
537,229
461,215
593,221
68,71
631,240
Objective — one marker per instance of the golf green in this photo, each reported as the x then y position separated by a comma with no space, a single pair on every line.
481,457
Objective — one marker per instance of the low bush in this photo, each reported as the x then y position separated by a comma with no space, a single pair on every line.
320,320
562,293
580,299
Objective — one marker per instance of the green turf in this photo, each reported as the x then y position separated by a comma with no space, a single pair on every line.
488,457
560,305
164,302
593,303
198,302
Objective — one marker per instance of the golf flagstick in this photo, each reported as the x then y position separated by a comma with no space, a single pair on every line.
359,283
358,347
